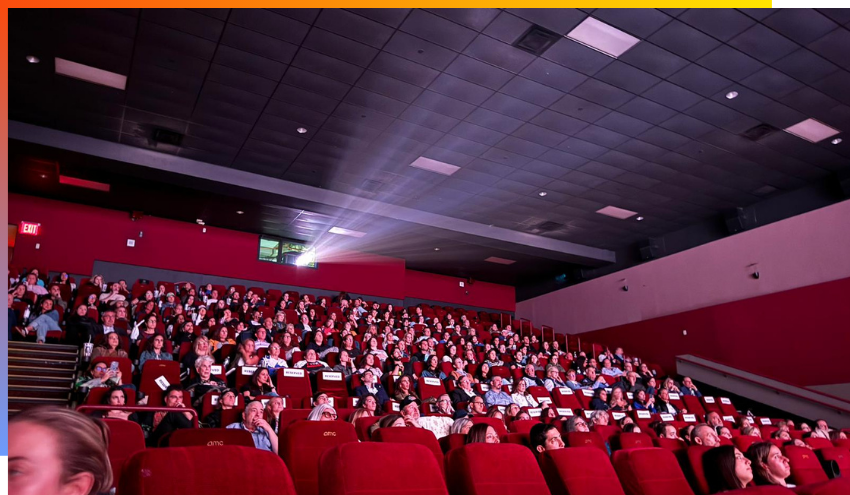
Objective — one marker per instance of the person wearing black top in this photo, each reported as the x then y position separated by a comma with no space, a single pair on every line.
79,328
600,400
161,423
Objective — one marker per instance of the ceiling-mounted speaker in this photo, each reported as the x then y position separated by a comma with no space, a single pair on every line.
842,180
740,219
579,274
651,248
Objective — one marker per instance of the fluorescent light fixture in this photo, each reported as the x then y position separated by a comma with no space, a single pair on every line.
811,130
500,261
434,166
348,232
731,95
88,184
601,37
90,74
836,141
614,212
308,257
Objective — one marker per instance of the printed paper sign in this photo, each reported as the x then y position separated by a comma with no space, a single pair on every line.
565,391
162,382
214,399
689,418
264,401
725,400
544,400
674,396
630,395
765,421
432,381
534,412
501,409
587,393
608,389
355,401
248,370
644,414
667,417
730,419
708,400
215,369
396,406
587,413
485,387
396,377
332,376
296,373
618,415
565,411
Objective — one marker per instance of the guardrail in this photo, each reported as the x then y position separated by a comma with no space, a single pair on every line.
100,407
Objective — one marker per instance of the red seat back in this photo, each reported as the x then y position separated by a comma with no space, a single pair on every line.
430,387
452,441
361,425
494,469
607,432
210,437
695,454
805,466
496,423
710,404
125,366
566,398
634,440
154,369
523,426
186,470
839,455
586,439
419,436
650,471
818,443
301,445
332,382
295,383
743,442
289,416
125,439
96,394
673,444
693,405
350,468
579,471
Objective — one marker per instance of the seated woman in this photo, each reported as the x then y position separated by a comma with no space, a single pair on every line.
227,400
200,347
41,322
259,384
184,333
618,401
116,396
458,370
318,344
631,428
750,431
600,400
79,327
367,406
726,468
769,466
369,363
203,383
154,351
481,433
345,365
311,363
322,412
483,374
404,388
599,418
99,375
246,354
147,328
555,361
350,347
493,359
644,403
373,348
110,346
272,413
520,395
432,368
272,361
220,338
288,342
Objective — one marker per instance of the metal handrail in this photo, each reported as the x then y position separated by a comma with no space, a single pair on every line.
101,407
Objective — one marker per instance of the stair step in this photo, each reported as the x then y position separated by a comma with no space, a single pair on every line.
29,392
44,362
37,401
24,370
33,345
40,380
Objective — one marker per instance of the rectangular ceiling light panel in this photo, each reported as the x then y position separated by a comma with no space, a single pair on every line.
348,232
434,166
614,212
90,74
500,261
602,37
811,130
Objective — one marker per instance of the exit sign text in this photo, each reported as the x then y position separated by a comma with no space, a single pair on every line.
30,228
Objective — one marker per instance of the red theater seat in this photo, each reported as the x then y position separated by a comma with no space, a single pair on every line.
586,439
125,439
374,468
693,405
634,440
188,471
494,469
496,423
522,426
606,432
361,425
762,490
153,370
672,444
302,444
837,454
743,442
210,437
805,466
838,486
650,472
452,441
96,394
579,471
818,443
695,454
294,383
332,383
420,436
430,387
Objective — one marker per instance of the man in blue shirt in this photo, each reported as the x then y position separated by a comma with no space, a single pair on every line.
261,431
496,396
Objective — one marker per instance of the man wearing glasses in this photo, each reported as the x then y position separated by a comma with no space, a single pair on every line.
576,423
261,431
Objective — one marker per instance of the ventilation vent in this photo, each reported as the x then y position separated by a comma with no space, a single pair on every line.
165,136
760,131
549,226
536,40
371,186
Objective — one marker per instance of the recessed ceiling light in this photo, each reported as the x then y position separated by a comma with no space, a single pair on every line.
434,166
613,211
43,176
436,249
500,261
348,232
301,130
836,141
90,74
542,193
639,219
240,212
33,59
811,130
731,95
602,37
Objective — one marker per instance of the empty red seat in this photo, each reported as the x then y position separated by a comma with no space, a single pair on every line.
566,398
650,471
302,444
693,404
586,439
762,490
494,469
294,383
579,471
210,437
358,468
673,444
818,443
419,436
125,439
522,426
743,442
634,440
187,471
805,466
361,425
837,454
838,486
710,404
695,453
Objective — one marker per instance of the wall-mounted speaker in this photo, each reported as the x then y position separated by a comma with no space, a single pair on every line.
740,219
651,248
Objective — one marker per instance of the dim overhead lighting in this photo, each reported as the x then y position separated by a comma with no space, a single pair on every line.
348,232
200,221
43,176
33,59
90,74
836,141
542,193
302,130
602,37
614,212
436,249
434,166
240,212
639,219
731,95
811,130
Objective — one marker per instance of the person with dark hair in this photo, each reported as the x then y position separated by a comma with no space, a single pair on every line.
726,468
79,327
600,400
116,396
666,430
42,321
631,428
259,384
545,437
110,346
769,466
161,423
227,400
481,433
57,450
154,350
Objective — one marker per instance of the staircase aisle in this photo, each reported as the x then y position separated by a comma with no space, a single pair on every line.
40,374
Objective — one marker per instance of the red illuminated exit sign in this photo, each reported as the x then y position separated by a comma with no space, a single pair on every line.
30,228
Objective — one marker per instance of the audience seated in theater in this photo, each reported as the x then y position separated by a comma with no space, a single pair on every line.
371,386
576,424
496,396
642,402
530,377
110,346
625,420
161,423
600,400
671,386
463,392
713,419
404,388
821,429
617,401
631,428
227,400
769,466
483,374
685,433
591,380
520,395
311,363
203,383
438,425
663,405
599,418
322,412
99,374
553,379
273,360
200,347
704,435
751,431
481,433
726,468
116,396
45,319
259,384
688,387
724,432
461,426
608,370
476,407
264,435
545,437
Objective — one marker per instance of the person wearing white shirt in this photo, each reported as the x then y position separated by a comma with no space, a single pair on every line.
521,397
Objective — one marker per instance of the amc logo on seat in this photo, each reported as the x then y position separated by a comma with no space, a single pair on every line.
215,443
330,434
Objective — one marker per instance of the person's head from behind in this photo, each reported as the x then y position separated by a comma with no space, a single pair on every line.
322,412
726,468
704,435
461,426
631,428
545,437
576,424
58,451
769,466
482,433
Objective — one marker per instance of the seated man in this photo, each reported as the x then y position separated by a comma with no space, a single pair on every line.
162,423
464,391
609,370
630,383
704,435
688,387
440,426
713,419
576,423
530,377
261,431
496,396
666,430
58,302
591,380
371,386
545,437
476,407
821,429
553,379
115,295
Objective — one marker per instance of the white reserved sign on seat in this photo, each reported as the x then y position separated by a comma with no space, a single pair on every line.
214,399
689,418
215,369
332,376
248,370
674,396
162,382
432,381
730,419
396,406
708,400
355,401
667,417
565,391
630,395
534,412
565,411
765,421
587,393
725,400
296,373
644,414
543,400
618,415
485,387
